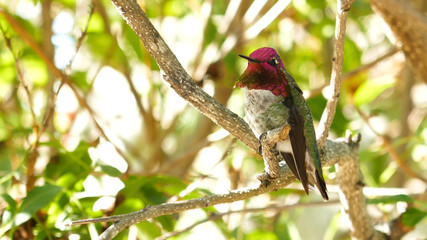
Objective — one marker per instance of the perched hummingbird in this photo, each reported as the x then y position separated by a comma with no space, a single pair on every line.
273,99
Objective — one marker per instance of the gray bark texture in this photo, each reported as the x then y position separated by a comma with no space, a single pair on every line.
409,26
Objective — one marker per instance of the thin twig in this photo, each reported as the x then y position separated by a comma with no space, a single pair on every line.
192,186
22,81
81,38
390,148
354,73
24,35
33,150
136,95
51,108
58,74
343,6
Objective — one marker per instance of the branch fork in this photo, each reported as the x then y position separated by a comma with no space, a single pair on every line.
267,149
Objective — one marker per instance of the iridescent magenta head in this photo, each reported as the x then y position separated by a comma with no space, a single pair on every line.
263,72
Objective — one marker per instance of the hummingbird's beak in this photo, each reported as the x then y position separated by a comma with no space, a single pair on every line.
249,59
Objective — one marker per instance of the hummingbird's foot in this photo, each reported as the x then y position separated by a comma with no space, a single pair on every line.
268,141
269,154
264,178
263,135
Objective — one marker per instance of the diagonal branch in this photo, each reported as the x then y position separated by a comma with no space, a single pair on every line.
182,83
179,79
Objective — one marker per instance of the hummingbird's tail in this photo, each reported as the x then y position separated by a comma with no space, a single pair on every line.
297,168
321,185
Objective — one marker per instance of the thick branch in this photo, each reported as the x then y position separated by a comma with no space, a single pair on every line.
335,151
353,201
182,83
179,79
409,26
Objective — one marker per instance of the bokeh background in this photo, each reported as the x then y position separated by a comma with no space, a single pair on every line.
88,127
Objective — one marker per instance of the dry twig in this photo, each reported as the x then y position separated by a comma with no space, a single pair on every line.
58,74
390,148
343,6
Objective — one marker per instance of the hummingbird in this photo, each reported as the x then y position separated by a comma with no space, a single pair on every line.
272,100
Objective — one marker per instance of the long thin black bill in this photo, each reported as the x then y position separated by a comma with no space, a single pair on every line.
249,59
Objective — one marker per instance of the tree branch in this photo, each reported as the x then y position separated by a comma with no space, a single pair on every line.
179,79
353,201
387,143
336,151
350,75
182,83
343,6
277,208
412,36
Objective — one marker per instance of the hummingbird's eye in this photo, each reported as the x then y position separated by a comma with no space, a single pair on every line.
273,62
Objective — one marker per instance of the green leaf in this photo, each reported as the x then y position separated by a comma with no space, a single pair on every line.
129,205
134,41
259,234
8,214
391,199
412,216
148,230
36,199
77,162
6,172
36,71
96,24
167,222
111,171
10,202
369,90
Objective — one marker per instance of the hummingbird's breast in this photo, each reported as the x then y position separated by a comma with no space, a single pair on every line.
264,110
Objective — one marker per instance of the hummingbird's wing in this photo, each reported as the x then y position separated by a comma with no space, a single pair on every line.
296,161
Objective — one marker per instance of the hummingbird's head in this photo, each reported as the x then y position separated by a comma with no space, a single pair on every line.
263,72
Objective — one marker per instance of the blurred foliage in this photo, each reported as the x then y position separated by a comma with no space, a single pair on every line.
139,144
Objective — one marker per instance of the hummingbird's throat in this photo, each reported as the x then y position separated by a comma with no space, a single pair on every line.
277,88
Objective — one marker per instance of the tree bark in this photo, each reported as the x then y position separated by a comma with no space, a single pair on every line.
409,26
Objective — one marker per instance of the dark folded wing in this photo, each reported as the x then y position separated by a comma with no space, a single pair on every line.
297,138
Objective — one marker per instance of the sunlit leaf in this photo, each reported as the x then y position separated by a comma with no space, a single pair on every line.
109,170
412,216
167,222
134,41
77,162
96,24
10,202
391,199
148,230
37,198
370,89
259,234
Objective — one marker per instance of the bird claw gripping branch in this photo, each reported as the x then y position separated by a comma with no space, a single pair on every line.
268,141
